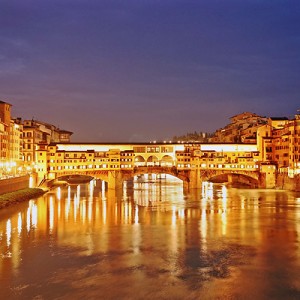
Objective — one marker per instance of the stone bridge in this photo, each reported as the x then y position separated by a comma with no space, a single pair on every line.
191,178
192,163
251,178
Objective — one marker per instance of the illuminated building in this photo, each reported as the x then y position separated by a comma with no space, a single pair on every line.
249,142
115,162
286,146
19,140
278,143
16,141
36,132
242,129
5,118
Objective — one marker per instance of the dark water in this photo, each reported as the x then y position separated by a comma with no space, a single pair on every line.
152,241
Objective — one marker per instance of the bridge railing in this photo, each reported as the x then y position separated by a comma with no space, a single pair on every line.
233,166
156,168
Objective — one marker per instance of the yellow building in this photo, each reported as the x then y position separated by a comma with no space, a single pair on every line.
283,142
5,118
16,141
36,132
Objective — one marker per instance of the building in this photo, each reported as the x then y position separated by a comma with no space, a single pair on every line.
242,129
5,122
278,144
286,146
19,140
15,141
37,132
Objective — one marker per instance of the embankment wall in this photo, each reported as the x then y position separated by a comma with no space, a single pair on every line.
16,183
286,183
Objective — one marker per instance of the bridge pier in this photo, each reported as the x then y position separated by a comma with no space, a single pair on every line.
115,180
195,181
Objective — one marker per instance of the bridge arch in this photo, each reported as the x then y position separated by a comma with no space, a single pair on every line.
139,161
233,179
166,161
156,170
152,161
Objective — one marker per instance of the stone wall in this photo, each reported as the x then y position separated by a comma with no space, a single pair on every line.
286,183
14,184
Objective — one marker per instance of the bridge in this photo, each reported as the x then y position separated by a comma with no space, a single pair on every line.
193,163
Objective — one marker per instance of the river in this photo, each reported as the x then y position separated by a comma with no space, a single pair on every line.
152,240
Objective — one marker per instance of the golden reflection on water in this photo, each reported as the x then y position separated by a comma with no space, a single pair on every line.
51,214
19,223
8,232
146,214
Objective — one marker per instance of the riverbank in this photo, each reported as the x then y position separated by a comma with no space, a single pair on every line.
20,196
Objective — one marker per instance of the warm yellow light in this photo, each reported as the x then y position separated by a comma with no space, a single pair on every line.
8,232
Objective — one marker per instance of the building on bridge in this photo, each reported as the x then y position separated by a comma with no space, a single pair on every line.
114,163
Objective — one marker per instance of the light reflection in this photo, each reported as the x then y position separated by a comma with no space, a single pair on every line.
224,208
59,209
203,230
213,217
136,236
103,191
51,214
34,216
76,202
104,211
136,215
75,207
8,232
125,190
224,192
91,188
58,193
242,202
68,203
174,216
30,181
181,214
126,212
207,190
69,192
83,211
19,223
90,211
28,218
78,192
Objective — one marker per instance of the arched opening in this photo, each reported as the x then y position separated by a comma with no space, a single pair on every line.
75,179
166,161
152,161
139,161
235,180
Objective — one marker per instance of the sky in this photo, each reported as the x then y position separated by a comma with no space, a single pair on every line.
142,70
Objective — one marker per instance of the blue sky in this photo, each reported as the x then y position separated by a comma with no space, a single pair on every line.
140,70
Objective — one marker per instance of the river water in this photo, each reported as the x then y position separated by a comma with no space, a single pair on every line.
152,240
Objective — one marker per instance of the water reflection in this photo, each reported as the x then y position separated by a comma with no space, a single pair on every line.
152,231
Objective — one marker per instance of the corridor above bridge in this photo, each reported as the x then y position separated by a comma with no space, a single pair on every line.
111,160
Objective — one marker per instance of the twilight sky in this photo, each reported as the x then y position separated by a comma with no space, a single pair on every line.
138,70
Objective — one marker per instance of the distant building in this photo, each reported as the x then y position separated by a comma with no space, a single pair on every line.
242,129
